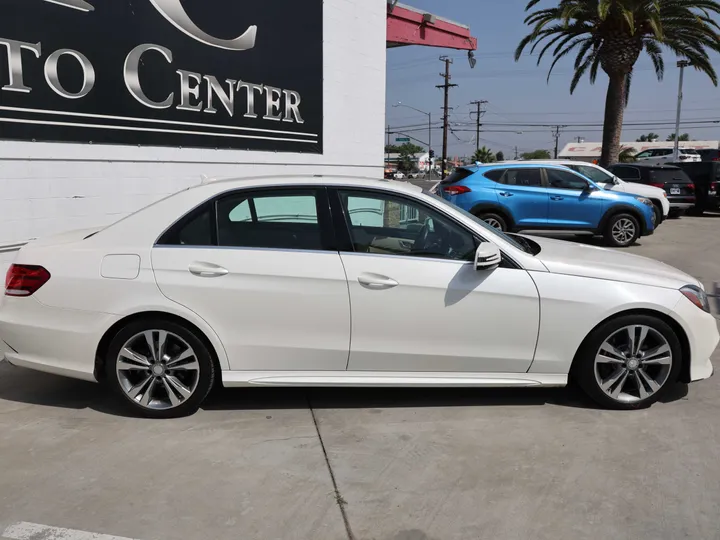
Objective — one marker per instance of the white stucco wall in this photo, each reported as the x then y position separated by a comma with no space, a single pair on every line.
47,188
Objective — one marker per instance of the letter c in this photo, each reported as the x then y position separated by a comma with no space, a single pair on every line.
132,77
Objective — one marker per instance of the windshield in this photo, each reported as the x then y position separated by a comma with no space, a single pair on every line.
480,222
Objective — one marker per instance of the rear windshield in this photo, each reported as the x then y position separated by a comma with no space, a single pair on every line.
669,175
459,174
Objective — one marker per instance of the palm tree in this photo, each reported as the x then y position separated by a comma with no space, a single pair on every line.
484,155
683,137
611,34
627,155
650,137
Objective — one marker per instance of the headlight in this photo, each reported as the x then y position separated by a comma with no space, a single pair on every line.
697,296
645,201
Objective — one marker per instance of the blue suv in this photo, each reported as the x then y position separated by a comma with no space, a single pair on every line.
514,197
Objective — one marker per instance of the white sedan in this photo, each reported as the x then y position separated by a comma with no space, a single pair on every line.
344,282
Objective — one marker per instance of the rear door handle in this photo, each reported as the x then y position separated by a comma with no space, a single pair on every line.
376,281
505,194
206,269
556,198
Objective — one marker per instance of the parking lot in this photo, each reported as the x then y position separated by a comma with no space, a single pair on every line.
405,464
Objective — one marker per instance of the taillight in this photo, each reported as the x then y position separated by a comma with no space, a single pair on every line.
25,279
658,184
456,190
691,186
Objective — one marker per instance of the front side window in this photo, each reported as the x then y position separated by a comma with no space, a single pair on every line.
385,224
596,175
565,180
280,220
643,155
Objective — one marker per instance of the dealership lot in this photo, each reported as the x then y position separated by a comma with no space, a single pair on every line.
368,464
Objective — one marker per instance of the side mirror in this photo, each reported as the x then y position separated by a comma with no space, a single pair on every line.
487,256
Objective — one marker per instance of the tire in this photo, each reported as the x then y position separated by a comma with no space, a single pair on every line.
590,371
622,230
494,220
177,385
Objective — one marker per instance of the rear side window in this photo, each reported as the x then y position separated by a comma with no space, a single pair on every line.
626,173
457,176
495,174
195,229
280,220
523,177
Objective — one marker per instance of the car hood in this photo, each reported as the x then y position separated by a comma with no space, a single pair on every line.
562,257
643,190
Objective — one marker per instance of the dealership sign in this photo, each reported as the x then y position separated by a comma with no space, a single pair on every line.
197,73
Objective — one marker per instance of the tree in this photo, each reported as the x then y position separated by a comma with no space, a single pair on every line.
407,153
683,137
650,137
627,155
536,154
392,149
500,156
611,34
484,155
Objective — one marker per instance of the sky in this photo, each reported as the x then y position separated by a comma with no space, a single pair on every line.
518,92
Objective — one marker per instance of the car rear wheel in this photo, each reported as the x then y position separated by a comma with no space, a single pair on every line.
629,362
494,220
622,230
159,368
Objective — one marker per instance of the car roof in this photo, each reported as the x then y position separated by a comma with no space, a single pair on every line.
515,164
642,165
310,179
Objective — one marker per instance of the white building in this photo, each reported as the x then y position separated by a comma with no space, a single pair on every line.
590,151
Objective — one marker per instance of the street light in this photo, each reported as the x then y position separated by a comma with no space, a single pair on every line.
429,115
682,64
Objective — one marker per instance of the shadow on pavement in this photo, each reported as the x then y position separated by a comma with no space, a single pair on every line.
27,387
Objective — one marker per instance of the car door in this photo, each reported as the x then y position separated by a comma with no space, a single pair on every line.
572,203
521,191
260,267
418,304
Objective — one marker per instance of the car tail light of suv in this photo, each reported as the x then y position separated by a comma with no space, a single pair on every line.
25,279
658,184
456,190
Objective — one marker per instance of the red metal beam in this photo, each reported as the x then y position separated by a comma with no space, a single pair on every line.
410,26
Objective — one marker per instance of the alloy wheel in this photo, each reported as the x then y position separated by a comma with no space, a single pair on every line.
623,230
633,363
494,223
158,369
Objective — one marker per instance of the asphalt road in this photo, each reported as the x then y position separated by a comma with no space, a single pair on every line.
388,464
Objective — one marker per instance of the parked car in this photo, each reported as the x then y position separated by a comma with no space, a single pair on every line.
709,154
399,175
514,197
264,282
606,180
706,178
676,183
665,155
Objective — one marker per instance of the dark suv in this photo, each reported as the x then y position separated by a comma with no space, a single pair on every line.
676,183
706,177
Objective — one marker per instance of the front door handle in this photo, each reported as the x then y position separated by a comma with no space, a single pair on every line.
376,281
206,269
556,198
505,194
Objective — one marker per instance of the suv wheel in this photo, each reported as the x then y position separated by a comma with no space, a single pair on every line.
159,368
629,362
494,220
622,230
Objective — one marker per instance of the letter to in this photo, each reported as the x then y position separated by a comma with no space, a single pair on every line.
53,79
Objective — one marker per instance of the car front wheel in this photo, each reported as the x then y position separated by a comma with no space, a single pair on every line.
622,230
629,362
161,369
494,220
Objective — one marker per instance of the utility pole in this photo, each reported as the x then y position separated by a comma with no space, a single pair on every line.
556,136
516,153
479,113
387,147
446,108
682,64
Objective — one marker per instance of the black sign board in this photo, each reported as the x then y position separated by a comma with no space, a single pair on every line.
241,74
